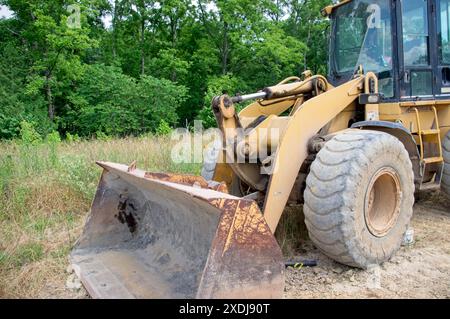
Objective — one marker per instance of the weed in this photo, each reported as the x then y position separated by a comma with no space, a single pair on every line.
27,253
47,186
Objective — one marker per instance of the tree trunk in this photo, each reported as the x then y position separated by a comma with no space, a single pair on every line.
277,16
114,25
48,90
173,31
142,46
308,39
305,58
225,50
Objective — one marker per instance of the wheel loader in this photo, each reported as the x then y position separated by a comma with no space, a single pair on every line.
353,147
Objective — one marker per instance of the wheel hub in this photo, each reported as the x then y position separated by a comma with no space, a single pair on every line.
382,201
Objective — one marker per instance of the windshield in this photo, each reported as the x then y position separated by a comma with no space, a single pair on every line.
362,36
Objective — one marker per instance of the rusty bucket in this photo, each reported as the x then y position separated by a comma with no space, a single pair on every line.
174,236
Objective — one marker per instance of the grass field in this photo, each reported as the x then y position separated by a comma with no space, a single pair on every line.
46,191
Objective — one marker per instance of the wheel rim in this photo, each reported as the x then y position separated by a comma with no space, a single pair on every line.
382,202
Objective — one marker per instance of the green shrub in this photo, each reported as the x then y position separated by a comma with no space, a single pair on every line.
108,101
53,138
28,134
163,128
9,126
102,136
72,138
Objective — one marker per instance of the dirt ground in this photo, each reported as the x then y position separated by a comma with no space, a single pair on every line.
421,270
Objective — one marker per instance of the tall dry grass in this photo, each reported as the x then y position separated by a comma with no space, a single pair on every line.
45,194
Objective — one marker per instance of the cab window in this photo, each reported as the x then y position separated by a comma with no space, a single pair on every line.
363,37
415,32
444,17
416,47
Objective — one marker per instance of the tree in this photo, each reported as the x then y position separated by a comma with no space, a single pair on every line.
56,46
307,24
156,60
15,104
142,12
108,101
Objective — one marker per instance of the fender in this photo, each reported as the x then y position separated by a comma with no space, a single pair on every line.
403,134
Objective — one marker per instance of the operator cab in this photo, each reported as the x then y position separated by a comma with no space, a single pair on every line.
405,42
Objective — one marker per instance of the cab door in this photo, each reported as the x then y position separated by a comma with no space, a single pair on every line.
443,40
417,60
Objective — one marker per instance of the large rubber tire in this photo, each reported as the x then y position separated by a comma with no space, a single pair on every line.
445,182
337,197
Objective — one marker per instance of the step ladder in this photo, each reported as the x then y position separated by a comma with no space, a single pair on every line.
431,136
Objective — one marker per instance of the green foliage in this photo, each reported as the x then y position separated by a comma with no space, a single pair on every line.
158,99
273,58
100,103
72,138
102,136
163,128
307,25
169,65
9,126
53,138
15,104
158,60
28,134
115,104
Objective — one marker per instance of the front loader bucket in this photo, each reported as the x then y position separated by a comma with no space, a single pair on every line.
174,236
